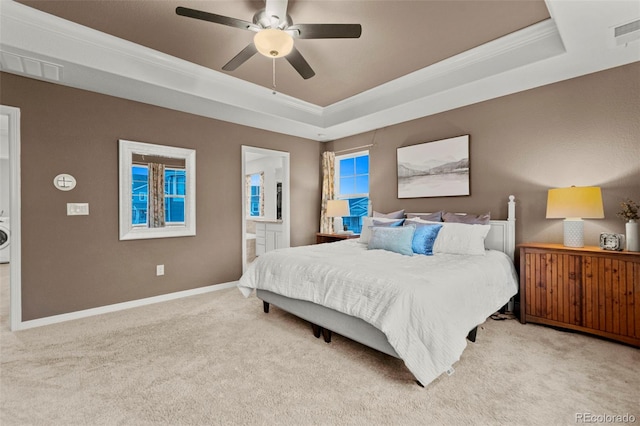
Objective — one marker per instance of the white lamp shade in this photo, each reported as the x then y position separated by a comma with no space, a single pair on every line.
576,202
273,43
337,208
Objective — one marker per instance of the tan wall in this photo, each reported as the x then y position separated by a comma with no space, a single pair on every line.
583,132
72,263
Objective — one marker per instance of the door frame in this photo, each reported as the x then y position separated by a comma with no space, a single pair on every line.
15,256
286,195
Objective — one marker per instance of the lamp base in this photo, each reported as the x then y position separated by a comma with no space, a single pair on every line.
337,225
573,232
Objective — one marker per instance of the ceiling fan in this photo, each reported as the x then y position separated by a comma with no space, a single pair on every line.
275,32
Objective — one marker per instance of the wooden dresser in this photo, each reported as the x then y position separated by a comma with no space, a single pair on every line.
586,289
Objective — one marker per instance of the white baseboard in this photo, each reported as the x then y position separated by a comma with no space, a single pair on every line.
122,306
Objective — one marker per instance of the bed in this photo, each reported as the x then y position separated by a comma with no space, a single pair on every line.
419,308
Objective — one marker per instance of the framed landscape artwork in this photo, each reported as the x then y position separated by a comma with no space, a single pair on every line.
434,169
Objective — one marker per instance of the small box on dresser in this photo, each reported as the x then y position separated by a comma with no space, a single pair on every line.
585,289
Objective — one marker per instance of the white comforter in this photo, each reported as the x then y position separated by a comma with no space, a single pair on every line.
425,305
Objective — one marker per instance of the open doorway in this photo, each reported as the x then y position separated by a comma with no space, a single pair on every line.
265,202
10,215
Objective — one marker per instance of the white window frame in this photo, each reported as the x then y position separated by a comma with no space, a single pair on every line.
130,232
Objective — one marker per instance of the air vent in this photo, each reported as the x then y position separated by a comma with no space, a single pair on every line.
32,67
627,33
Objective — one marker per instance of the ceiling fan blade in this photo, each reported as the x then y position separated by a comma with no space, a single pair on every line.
298,62
218,19
277,8
241,57
326,30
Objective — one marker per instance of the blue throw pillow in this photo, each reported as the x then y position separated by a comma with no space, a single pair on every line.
424,237
396,239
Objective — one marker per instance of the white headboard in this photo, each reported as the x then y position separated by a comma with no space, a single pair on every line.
502,235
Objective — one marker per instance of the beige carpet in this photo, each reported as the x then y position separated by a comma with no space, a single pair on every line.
218,359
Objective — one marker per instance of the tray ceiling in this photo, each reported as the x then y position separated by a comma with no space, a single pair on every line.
415,58
398,37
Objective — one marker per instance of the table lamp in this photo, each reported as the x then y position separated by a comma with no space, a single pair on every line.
337,209
573,204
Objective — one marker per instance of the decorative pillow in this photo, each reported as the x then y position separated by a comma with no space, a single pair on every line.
433,217
393,215
461,238
414,220
397,239
367,223
424,237
387,224
472,219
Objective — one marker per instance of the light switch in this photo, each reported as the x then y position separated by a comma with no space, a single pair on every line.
77,209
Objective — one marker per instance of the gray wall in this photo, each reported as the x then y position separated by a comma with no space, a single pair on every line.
583,132
72,263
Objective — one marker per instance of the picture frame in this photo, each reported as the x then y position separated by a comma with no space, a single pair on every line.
434,169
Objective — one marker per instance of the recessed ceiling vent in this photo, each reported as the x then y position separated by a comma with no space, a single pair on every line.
627,33
32,67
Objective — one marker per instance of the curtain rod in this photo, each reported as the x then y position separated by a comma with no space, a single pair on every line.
354,148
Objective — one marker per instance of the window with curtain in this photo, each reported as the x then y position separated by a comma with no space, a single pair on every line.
174,195
255,193
157,194
352,184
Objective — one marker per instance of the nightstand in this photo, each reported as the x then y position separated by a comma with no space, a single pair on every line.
586,289
332,238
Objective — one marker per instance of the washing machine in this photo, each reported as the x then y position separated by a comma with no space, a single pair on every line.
5,239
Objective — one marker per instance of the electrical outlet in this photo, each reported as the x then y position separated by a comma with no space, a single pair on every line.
159,270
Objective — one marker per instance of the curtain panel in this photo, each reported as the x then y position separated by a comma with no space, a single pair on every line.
328,172
156,195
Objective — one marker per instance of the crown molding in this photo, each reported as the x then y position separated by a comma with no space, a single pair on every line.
98,62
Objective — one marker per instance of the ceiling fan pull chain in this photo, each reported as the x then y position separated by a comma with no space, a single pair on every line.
274,75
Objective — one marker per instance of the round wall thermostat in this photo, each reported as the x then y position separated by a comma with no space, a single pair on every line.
64,182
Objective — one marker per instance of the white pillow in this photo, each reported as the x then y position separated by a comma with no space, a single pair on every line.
367,223
461,238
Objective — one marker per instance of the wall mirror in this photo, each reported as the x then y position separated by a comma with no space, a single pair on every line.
265,202
157,191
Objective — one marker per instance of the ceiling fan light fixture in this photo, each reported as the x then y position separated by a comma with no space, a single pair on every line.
273,43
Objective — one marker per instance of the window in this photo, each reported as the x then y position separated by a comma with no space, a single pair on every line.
254,202
254,190
352,184
139,194
174,195
178,193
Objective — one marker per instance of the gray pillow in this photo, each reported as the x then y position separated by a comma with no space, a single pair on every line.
471,219
393,215
432,217
388,224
